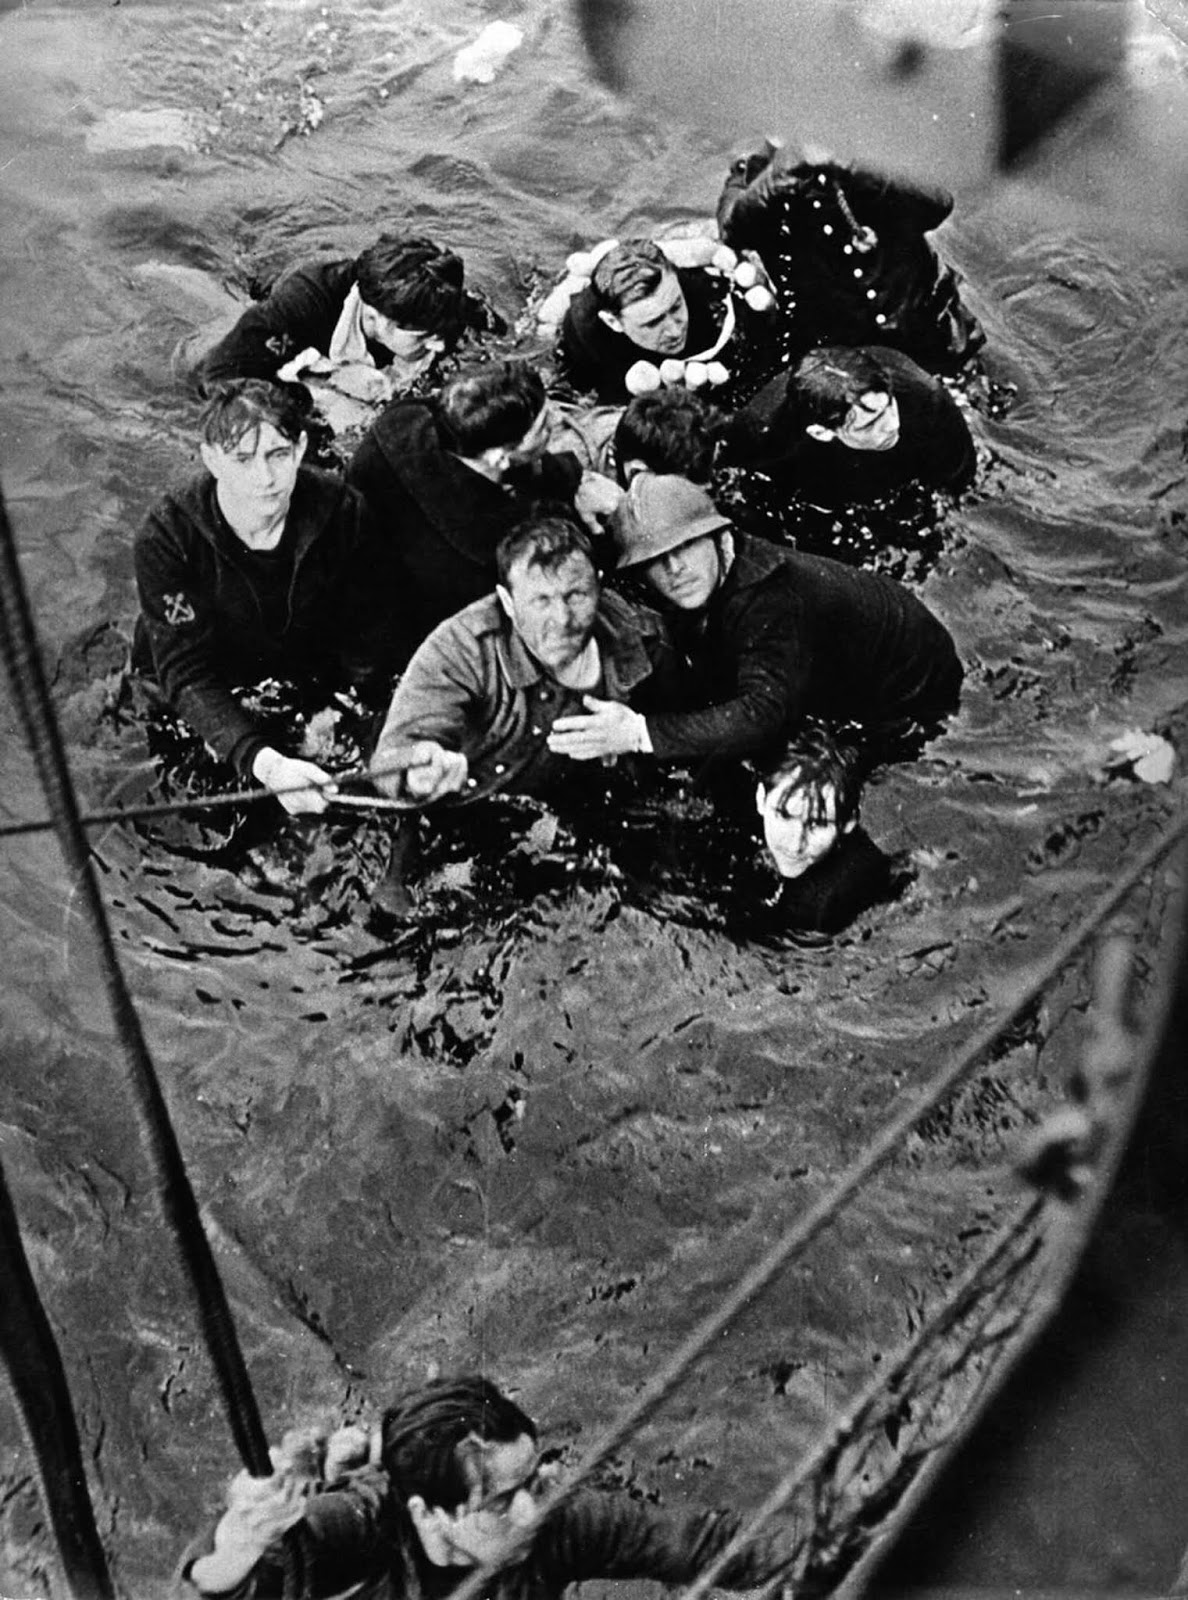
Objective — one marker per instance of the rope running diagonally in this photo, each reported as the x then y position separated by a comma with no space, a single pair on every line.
806,1228
962,1294
18,644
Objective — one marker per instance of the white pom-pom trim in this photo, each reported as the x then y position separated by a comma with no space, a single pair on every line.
642,378
760,298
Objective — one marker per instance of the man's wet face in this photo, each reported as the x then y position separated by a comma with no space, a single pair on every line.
256,475
659,323
505,1501
799,822
553,609
687,576
871,423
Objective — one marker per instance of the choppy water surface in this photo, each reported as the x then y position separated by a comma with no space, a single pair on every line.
542,1131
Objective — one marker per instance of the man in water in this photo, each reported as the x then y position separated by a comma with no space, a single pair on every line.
855,426
828,869
473,712
260,568
639,312
770,637
446,479
393,310
847,250
671,431
458,1476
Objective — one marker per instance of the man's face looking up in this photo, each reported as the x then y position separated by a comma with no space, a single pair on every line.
687,576
552,609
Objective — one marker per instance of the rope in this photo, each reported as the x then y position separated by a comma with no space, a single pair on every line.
216,802
18,644
43,1400
846,1427
802,1232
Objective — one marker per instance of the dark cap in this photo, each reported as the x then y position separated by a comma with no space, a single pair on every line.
660,512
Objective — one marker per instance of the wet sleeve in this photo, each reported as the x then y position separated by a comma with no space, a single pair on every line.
270,332
770,682
439,697
372,621
344,1545
369,472
610,1536
926,205
182,630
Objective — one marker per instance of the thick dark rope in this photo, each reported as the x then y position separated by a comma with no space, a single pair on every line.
802,1232
43,1399
18,644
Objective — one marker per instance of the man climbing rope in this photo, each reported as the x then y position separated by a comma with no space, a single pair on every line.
458,1475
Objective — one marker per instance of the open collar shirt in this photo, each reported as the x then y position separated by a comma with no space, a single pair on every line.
473,687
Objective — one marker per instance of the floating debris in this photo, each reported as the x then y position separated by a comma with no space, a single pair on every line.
480,61
165,127
1146,756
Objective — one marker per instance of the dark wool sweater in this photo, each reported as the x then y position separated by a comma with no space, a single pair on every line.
789,635
206,628
443,519
934,446
897,293
301,310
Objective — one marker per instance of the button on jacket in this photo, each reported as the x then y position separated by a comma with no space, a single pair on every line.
473,687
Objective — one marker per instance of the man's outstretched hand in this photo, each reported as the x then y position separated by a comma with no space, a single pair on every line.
420,772
609,728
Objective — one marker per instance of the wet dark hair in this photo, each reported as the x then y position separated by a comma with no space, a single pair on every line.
424,1438
669,430
415,282
631,271
494,404
818,756
546,540
240,405
827,382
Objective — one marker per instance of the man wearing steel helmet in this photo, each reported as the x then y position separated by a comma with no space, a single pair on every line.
769,637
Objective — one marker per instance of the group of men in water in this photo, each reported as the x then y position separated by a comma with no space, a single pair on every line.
522,617
523,612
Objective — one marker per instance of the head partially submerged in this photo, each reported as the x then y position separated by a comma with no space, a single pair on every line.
669,532
549,588
807,798
843,394
413,296
638,294
462,1459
